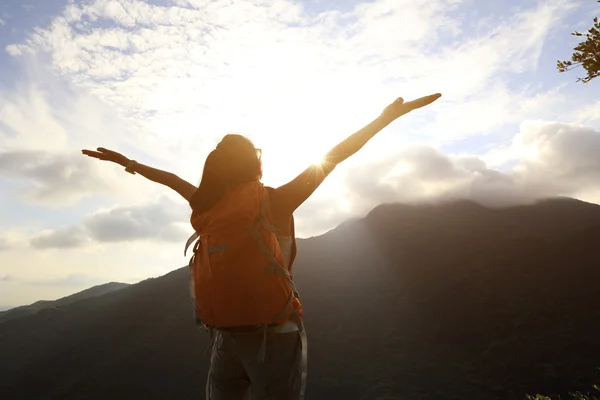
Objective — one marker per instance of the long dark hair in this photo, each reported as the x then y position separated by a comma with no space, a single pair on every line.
234,161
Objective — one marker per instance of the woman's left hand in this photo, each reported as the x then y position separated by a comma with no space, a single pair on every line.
398,108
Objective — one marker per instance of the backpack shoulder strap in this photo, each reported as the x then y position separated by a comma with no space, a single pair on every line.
190,241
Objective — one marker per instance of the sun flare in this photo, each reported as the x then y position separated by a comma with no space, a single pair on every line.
317,159
312,155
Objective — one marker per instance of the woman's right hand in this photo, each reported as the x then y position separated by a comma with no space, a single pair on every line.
107,155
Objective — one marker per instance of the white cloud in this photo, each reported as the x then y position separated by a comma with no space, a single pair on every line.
164,220
588,113
126,261
183,75
4,244
192,68
551,159
14,50
55,179
73,281
27,121
45,123
65,238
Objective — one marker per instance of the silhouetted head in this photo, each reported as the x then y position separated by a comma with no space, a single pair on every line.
234,161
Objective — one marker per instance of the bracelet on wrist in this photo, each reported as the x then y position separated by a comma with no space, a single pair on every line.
129,167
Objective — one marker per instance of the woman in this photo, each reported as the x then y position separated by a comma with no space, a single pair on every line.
235,371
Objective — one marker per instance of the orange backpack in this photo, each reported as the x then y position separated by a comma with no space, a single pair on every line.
238,275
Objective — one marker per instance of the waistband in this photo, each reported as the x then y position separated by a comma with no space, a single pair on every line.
286,327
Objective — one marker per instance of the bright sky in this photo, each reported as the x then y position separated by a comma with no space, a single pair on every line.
162,81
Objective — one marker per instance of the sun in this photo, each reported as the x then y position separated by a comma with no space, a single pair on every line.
312,155
317,159
281,166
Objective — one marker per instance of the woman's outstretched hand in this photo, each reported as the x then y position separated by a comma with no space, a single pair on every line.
398,108
107,155
185,189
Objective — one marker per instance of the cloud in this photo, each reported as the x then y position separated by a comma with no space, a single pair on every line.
185,73
43,110
4,244
590,112
164,220
550,159
70,280
558,156
43,125
193,65
74,279
54,178
71,237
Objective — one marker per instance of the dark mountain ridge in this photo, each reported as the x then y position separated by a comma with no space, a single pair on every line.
95,291
450,301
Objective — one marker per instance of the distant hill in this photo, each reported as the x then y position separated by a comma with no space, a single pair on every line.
95,291
450,301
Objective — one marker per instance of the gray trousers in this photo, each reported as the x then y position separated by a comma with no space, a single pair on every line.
238,372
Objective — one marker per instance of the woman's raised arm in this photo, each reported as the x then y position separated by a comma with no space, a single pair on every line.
291,195
184,188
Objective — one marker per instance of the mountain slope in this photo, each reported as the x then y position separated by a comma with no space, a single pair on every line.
95,291
423,302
